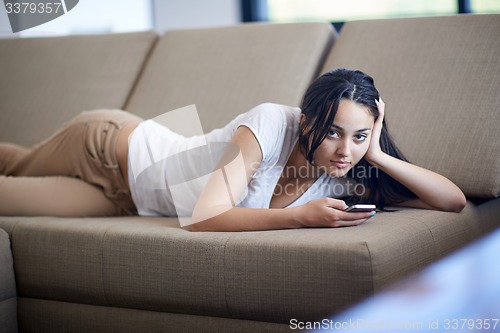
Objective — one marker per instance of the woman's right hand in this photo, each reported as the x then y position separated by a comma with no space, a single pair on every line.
328,212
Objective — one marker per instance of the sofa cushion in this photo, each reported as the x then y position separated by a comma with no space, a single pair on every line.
36,315
439,79
228,70
153,264
46,81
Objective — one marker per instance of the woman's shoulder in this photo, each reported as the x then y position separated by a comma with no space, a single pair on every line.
273,112
275,107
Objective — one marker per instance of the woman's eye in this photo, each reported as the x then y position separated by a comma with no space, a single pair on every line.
360,137
333,134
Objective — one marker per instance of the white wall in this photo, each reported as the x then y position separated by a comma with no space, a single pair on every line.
108,16
5,30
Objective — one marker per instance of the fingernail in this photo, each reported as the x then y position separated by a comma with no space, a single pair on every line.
373,214
376,100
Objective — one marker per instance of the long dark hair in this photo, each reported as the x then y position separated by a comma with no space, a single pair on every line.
320,105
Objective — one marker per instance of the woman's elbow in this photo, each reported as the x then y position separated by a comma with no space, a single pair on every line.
215,223
460,205
456,204
199,226
196,228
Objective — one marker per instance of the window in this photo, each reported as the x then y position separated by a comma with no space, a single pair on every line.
339,11
485,6
342,10
97,16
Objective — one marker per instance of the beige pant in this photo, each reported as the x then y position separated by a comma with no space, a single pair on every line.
75,172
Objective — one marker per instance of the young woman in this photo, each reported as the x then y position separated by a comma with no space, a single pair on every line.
299,166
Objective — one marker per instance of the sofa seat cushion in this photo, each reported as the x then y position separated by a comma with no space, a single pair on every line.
37,315
153,264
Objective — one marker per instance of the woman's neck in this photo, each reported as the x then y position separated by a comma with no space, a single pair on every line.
298,166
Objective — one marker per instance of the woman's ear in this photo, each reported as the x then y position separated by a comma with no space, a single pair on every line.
303,122
302,118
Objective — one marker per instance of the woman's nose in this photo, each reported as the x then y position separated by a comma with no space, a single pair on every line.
343,148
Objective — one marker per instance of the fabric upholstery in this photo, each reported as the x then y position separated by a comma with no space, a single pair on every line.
47,81
226,71
154,265
439,79
489,215
50,316
148,274
8,300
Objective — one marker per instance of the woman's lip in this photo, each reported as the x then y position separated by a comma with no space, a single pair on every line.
341,164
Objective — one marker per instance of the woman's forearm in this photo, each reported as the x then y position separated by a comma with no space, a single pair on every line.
323,212
250,219
433,189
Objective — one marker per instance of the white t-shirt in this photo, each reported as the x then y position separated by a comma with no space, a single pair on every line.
276,129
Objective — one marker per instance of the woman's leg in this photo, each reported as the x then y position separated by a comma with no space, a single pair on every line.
52,196
56,196
83,148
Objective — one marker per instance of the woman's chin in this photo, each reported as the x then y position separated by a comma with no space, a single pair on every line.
338,172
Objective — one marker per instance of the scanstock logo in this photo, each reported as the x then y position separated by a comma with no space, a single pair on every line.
25,14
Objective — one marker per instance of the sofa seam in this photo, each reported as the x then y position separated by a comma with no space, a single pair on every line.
230,315
434,249
371,266
327,49
140,72
106,299
423,222
11,240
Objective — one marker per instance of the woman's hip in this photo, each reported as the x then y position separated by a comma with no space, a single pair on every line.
117,117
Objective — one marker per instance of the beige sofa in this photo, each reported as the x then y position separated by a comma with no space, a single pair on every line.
438,76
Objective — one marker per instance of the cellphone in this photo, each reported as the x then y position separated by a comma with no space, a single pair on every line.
360,208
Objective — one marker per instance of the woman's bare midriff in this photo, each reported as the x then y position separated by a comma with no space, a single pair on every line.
122,149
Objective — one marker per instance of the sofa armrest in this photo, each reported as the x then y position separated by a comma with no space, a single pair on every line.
8,299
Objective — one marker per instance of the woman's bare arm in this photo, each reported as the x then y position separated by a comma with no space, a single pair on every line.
433,190
215,210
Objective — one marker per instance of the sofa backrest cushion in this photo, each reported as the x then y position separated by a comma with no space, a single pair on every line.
439,78
46,81
226,71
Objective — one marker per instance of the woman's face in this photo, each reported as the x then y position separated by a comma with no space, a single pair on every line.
347,141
